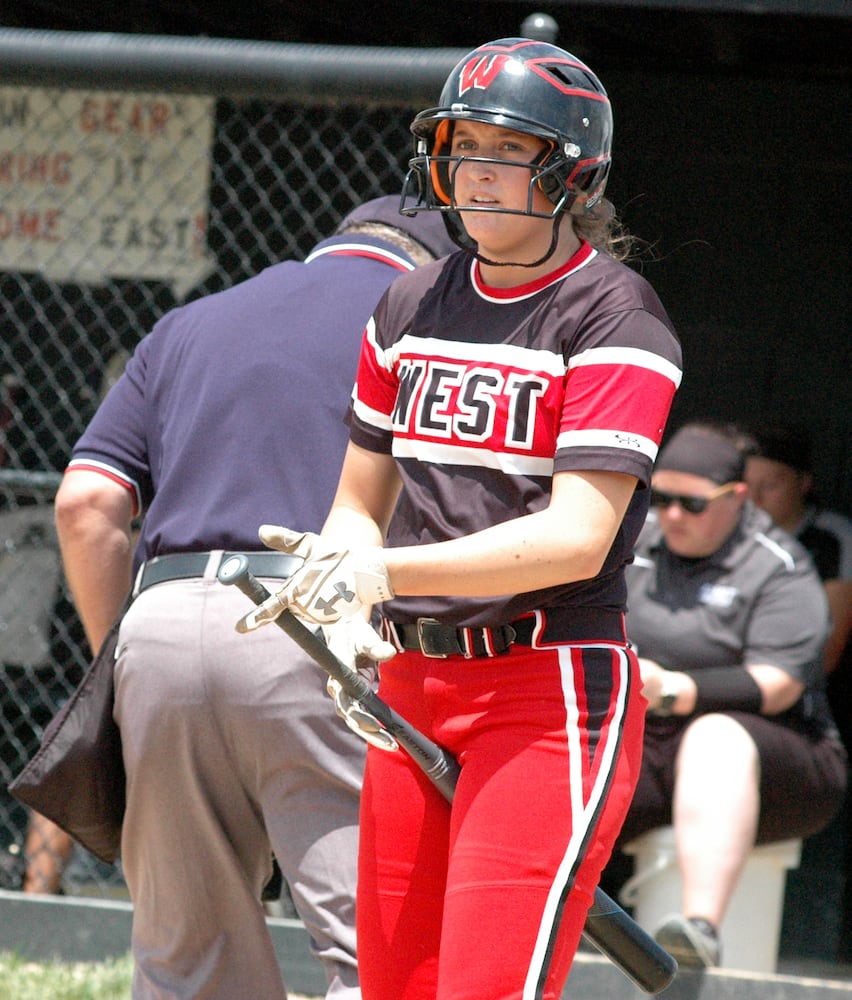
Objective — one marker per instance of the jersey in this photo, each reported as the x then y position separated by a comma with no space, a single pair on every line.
756,600
482,394
208,370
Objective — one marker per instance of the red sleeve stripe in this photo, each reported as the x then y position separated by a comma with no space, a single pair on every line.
628,356
629,401
375,390
116,475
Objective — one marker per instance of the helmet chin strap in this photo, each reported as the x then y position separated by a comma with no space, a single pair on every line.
458,234
464,242
554,242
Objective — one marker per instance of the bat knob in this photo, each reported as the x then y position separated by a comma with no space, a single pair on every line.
233,568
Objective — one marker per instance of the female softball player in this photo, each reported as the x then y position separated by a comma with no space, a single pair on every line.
509,404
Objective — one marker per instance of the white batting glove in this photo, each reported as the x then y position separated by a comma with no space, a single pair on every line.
333,583
359,720
357,644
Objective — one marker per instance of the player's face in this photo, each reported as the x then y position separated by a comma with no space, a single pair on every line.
777,488
695,535
502,184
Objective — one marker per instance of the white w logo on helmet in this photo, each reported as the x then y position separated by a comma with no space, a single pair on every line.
481,72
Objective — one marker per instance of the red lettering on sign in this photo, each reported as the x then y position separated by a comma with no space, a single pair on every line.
35,168
116,115
35,225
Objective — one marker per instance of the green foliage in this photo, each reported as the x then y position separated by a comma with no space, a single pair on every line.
22,979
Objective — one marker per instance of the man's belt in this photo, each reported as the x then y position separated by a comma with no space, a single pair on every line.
189,565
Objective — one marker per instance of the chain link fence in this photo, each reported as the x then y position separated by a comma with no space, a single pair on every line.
115,205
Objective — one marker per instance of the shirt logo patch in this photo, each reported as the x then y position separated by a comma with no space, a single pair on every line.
717,595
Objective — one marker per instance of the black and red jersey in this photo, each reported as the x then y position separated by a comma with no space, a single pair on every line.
481,394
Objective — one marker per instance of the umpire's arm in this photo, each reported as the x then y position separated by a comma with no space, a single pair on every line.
93,521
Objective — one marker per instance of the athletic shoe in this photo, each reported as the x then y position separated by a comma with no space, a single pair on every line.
692,941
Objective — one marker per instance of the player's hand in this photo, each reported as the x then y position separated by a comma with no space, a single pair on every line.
359,720
333,583
357,644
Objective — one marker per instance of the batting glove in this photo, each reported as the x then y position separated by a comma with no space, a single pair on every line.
333,583
359,720
357,644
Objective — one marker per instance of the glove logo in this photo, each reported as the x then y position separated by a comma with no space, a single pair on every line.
327,606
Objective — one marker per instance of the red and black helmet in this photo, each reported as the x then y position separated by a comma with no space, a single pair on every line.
528,86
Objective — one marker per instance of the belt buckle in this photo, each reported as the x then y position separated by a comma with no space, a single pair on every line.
427,648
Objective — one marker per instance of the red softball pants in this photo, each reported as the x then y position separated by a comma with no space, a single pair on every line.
486,899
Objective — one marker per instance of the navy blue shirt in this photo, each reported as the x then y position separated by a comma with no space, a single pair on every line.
230,412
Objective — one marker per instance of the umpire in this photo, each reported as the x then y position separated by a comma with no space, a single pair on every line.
230,415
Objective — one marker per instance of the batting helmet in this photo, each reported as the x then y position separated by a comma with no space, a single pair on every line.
528,86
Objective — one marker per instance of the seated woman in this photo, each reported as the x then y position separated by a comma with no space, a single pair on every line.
728,617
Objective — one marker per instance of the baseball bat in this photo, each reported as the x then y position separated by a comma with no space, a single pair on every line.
608,927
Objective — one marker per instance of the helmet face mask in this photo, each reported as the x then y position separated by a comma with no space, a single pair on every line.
527,86
439,172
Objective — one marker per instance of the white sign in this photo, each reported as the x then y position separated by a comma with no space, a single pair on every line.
96,185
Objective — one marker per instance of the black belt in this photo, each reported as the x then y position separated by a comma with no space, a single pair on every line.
431,638
188,565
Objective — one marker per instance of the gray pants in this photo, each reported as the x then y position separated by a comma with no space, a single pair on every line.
233,751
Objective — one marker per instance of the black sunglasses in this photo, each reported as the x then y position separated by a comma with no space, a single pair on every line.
691,504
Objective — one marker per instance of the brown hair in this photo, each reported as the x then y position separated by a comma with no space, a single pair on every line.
602,228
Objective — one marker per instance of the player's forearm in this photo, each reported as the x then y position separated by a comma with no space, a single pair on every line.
527,553
567,541
366,496
352,527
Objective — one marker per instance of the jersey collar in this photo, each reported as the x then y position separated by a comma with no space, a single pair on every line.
516,293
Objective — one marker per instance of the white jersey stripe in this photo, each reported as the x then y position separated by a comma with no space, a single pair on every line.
627,356
510,355
369,415
370,335
583,814
605,438
446,454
